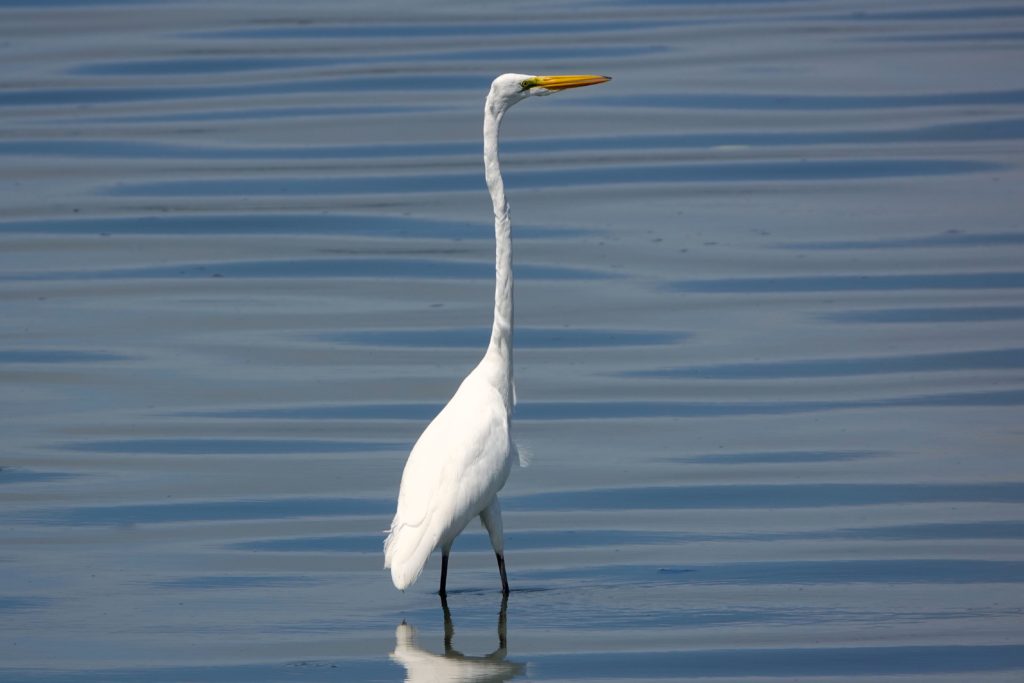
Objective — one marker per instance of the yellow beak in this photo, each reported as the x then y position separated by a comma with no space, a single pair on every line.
556,83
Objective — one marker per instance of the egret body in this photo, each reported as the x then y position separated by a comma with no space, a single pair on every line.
463,457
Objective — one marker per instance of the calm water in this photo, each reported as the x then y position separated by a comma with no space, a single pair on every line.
770,357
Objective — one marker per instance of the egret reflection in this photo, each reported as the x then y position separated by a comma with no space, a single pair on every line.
422,665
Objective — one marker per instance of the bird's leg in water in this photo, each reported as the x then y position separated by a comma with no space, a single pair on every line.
444,574
503,625
501,570
449,628
499,654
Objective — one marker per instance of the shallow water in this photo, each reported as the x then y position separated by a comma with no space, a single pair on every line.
769,355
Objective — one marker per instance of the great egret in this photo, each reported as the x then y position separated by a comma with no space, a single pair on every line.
463,457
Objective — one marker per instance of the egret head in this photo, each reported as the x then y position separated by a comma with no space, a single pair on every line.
507,89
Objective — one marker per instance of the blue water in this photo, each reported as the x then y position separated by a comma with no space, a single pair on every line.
768,354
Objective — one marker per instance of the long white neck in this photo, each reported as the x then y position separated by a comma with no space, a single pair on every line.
500,348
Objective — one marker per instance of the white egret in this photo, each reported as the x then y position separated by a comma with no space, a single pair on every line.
463,457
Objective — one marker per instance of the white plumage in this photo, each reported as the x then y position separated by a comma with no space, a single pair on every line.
463,457
454,472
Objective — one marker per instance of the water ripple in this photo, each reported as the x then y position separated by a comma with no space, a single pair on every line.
403,31
228,446
619,410
566,539
736,172
972,131
853,283
784,662
733,496
996,359
230,581
817,479
880,571
526,338
11,475
767,496
227,65
390,227
820,103
927,316
78,96
949,239
778,457
376,268
51,356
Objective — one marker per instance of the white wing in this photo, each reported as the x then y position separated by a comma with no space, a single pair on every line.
453,472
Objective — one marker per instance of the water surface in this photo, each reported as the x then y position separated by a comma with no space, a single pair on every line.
769,358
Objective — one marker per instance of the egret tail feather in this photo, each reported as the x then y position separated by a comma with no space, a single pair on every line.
405,554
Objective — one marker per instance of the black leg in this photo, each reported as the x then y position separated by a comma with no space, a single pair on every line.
501,570
449,628
503,624
444,574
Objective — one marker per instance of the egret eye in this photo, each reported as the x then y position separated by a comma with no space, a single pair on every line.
525,85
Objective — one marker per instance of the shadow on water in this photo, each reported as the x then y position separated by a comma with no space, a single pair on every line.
423,665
